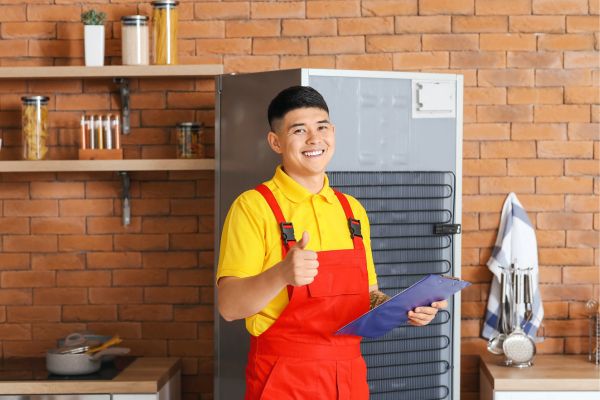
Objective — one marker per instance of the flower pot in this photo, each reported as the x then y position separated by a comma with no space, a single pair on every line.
94,45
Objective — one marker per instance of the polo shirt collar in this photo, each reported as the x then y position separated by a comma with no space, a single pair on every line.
297,193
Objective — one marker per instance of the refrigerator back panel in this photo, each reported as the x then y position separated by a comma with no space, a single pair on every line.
376,129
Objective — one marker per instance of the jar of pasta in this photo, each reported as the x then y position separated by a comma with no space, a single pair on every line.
34,123
164,29
188,140
134,40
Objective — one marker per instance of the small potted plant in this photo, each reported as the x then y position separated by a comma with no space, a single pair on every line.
93,22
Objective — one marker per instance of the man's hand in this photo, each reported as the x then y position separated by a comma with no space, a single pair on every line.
421,316
300,266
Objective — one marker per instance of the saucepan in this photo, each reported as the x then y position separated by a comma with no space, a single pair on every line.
79,364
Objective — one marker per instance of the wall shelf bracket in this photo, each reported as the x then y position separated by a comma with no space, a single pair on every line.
124,89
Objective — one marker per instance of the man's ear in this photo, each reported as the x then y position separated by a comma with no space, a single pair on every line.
273,140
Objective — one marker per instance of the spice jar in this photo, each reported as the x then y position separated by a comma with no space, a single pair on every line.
164,21
134,40
34,127
188,140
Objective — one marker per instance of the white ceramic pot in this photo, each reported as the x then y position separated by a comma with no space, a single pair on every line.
94,45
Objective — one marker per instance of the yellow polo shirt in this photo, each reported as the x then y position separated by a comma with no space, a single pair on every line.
251,238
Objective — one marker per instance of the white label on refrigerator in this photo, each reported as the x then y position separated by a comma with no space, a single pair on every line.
433,99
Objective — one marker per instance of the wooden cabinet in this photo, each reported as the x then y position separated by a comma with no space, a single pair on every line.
552,377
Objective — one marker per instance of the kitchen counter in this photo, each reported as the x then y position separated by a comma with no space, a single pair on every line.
143,375
549,376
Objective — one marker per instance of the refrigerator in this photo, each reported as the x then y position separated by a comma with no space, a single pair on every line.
399,152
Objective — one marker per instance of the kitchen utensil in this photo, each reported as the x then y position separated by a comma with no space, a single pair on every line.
495,343
78,364
111,342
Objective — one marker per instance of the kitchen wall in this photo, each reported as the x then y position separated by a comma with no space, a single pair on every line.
531,126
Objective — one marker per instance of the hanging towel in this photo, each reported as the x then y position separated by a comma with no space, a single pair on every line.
515,243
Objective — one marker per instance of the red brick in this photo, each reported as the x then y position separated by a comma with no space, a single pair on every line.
505,77
478,24
59,296
428,7
585,239
581,59
459,41
582,95
33,314
188,241
55,331
57,261
103,225
564,185
202,313
14,225
365,26
76,102
11,261
559,149
564,221
486,203
250,63
30,208
535,95
537,24
16,297
538,132
582,203
169,330
13,48
88,313
13,13
104,260
171,295
31,244
167,189
131,312
85,208
332,9
505,113
388,7
506,185
58,225
191,277
507,41
147,207
560,7
225,10
130,295
478,59
392,43
14,190
484,168
309,27
573,77
336,45
223,46
582,167
565,42
263,28
279,46
289,9
542,202
578,24
139,277
201,29
505,7
141,242
562,113
290,62
521,59
170,260
566,292
420,60
507,149
31,30
85,243
486,131
423,24
53,12
485,96
535,167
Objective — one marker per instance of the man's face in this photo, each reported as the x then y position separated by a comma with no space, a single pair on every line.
305,138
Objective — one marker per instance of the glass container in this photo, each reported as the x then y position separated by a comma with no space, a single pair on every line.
134,40
188,140
34,127
164,28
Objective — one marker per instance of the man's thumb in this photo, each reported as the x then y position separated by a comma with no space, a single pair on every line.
304,241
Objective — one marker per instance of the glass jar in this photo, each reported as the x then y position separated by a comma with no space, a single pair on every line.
34,127
188,140
164,29
134,40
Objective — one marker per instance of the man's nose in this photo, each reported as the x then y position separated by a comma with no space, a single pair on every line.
313,136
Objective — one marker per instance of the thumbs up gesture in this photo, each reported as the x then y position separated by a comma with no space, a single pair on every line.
300,266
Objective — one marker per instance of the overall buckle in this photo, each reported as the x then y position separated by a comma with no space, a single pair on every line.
354,225
287,232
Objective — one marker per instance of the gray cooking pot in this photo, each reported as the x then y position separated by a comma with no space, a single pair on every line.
78,364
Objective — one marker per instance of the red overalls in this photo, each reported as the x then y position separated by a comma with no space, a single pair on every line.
299,357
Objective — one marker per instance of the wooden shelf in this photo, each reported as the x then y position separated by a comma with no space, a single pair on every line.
109,71
107,165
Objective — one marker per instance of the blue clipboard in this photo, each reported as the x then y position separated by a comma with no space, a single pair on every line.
387,316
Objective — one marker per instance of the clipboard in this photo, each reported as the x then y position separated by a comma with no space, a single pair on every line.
387,316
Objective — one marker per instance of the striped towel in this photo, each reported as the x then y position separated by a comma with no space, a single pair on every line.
515,243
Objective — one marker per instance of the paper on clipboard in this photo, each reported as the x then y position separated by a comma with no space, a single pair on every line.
385,317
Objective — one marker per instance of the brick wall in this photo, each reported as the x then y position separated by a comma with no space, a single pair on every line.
531,115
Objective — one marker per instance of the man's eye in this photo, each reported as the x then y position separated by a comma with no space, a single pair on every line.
323,127
299,132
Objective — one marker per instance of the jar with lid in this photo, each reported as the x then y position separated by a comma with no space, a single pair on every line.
134,40
164,29
188,140
34,127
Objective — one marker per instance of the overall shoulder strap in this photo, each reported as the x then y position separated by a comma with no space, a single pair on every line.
353,224
287,229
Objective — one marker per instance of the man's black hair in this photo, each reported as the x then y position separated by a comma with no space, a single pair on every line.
292,98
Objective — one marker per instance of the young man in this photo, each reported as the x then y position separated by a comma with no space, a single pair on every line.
293,294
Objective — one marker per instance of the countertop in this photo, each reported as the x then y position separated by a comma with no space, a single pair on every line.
549,372
143,375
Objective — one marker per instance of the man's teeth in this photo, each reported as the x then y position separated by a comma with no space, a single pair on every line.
313,153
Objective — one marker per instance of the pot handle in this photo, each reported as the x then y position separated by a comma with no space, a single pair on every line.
112,351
